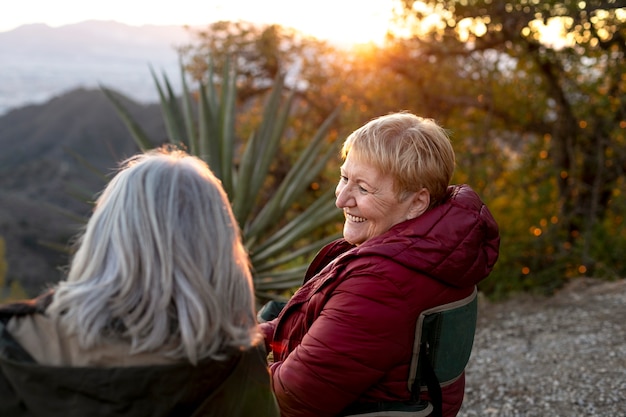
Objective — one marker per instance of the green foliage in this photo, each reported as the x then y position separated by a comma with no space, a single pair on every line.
9,290
277,236
262,53
538,125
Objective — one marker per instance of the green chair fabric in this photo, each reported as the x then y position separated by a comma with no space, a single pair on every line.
444,337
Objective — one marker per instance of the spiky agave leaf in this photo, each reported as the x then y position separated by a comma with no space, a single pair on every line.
320,212
227,118
259,153
170,109
308,167
138,134
188,114
85,163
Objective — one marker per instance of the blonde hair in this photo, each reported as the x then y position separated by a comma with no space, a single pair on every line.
161,264
416,152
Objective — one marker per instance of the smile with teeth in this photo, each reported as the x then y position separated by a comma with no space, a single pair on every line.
355,219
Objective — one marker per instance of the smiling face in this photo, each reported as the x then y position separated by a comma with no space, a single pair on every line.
370,203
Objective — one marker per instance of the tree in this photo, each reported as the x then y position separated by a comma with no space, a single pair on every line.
319,74
556,108
259,53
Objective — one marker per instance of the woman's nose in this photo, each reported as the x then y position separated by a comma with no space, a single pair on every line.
342,195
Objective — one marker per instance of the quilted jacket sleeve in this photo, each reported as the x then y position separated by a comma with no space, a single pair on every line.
267,330
349,347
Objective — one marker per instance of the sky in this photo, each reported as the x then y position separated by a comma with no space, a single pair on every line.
346,21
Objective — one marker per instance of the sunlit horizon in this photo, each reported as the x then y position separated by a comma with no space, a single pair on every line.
344,21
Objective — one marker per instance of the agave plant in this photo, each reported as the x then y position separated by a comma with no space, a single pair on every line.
205,124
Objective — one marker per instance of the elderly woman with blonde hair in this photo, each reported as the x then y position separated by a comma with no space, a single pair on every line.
344,343
156,316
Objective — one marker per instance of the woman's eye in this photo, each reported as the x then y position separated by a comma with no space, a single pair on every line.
344,180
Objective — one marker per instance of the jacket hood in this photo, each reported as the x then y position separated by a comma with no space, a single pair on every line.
456,242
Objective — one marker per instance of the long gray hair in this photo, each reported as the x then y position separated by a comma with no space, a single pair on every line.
161,264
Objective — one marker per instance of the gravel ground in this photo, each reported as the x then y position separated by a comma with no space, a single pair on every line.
561,356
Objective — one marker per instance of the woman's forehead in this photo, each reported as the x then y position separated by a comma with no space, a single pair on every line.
363,169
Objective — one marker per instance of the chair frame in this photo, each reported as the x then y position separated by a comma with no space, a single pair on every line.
444,337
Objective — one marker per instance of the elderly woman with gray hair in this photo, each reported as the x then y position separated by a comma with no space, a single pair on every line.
156,316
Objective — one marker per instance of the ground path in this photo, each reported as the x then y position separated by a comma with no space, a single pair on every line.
559,356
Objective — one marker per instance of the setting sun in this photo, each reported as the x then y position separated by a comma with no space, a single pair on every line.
345,21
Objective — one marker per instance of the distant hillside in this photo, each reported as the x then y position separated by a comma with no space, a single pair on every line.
39,62
39,176
93,38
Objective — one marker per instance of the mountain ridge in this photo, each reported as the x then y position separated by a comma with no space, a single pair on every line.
95,34
44,188
40,61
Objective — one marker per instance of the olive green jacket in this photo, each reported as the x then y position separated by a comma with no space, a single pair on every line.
238,386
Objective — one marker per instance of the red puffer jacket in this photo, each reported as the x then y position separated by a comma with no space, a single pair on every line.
347,334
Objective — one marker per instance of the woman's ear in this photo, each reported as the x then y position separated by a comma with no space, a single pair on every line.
420,201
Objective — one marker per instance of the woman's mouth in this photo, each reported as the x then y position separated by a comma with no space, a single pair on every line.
355,219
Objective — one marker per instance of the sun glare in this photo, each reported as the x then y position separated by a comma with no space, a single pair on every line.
347,22
553,34
342,21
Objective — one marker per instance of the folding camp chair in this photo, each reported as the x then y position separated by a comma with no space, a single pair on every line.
444,337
